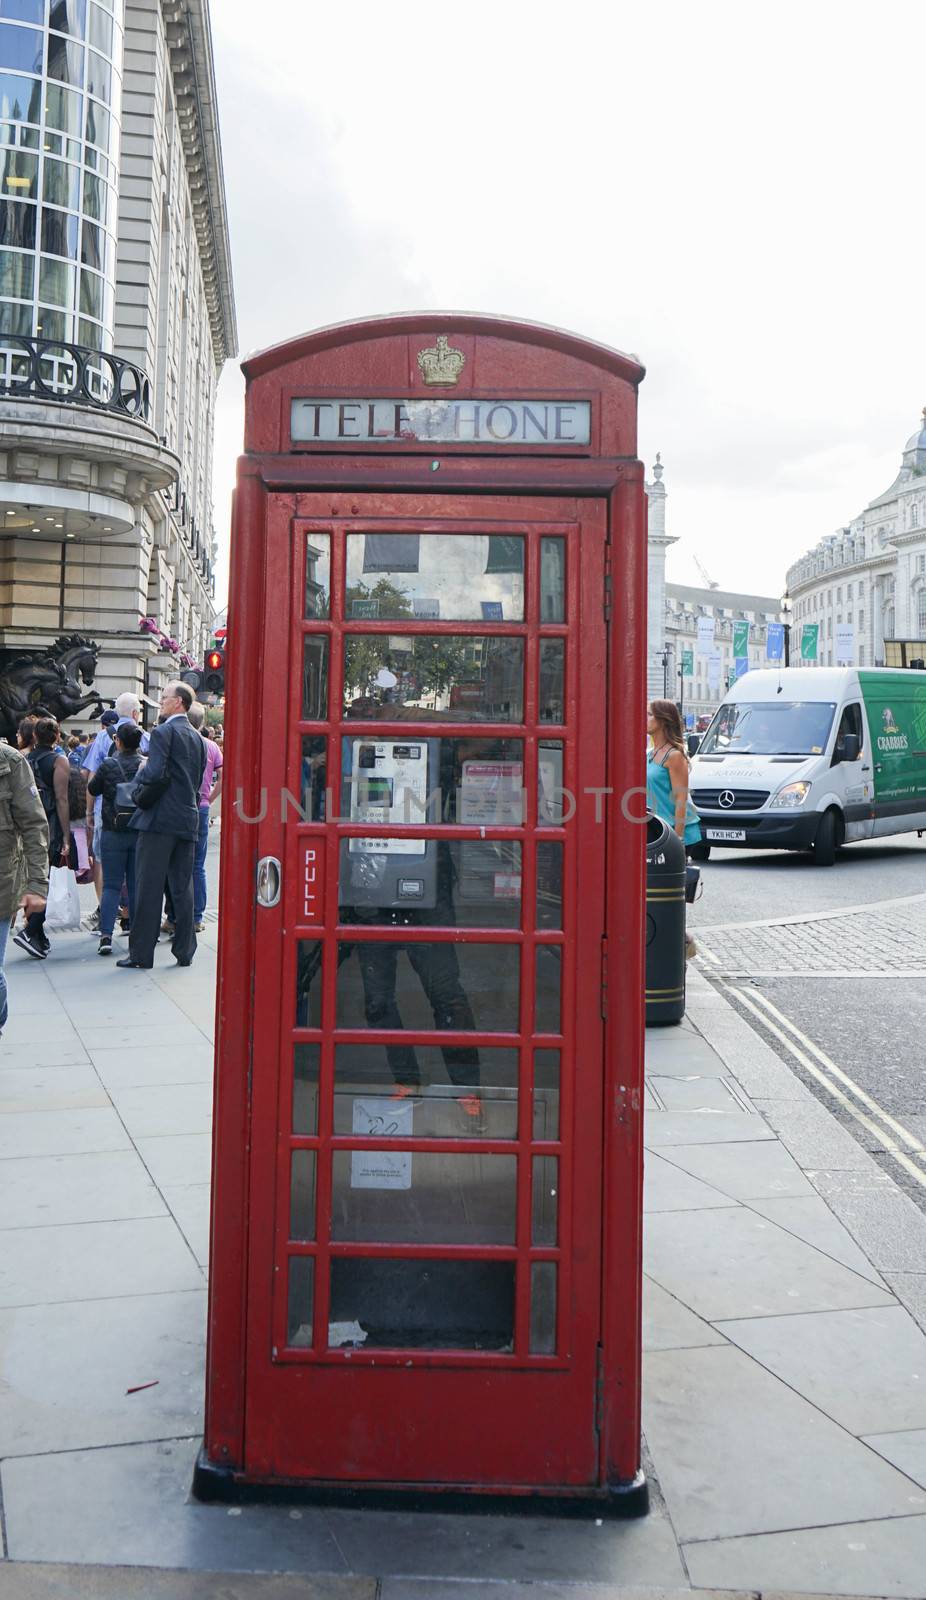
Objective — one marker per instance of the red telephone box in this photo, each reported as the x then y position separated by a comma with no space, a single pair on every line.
428,1148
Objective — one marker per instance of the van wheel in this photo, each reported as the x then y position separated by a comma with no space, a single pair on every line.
824,846
699,852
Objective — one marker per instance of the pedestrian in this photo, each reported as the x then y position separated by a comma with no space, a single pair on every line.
118,840
25,734
50,772
667,779
167,823
98,752
210,790
75,751
23,850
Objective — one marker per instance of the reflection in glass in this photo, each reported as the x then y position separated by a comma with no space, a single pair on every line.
306,1061
418,985
549,884
439,677
314,677
61,185
440,1108
543,1308
16,275
17,224
546,1094
19,175
457,577
56,283
300,1302
68,16
19,97
59,233
547,990
20,48
550,797
314,777
425,1305
552,580
317,574
302,1195
99,76
65,61
551,696
399,1196
545,1200
468,780
470,883
309,983
63,109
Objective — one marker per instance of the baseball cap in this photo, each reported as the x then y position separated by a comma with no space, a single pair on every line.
109,717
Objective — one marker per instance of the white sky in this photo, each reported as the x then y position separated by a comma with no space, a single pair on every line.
732,191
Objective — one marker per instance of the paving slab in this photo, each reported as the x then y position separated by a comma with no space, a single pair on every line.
474,1589
173,1035
148,1065
865,1369
41,1191
179,1159
64,1051
744,1171
190,1207
814,1222
887,1224
910,1287
88,1131
33,1581
905,1450
131,1506
733,1263
672,1053
94,1261
703,1127
34,1088
66,1373
668,1325
738,1452
667,1188
863,1558
154,1110
692,1092
813,1136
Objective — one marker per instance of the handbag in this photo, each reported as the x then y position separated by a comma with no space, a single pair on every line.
62,908
692,883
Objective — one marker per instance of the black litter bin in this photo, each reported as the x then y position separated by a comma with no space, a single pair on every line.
665,924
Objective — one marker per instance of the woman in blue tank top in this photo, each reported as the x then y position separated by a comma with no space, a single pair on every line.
667,778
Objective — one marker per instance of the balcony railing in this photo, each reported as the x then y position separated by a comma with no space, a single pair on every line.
72,374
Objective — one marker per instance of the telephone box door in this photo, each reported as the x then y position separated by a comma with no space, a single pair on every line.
424,1298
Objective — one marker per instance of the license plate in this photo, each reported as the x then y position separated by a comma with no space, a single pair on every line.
737,835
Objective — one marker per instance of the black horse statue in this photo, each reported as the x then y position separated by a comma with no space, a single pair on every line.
52,680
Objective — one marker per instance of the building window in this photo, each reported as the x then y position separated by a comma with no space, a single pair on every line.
861,619
889,622
861,655
921,615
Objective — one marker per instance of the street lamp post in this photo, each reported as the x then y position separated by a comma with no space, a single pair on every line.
786,621
665,672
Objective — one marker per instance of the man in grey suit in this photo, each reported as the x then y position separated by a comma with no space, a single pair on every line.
167,822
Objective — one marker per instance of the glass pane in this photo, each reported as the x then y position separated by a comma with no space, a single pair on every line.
546,1094
446,677
314,678
61,186
302,1195
301,1298
16,275
309,983
549,884
29,137
306,1061
17,224
460,987
314,777
56,283
16,319
552,580
547,990
20,98
19,175
469,883
68,16
317,574
422,1305
23,10
459,577
552,806
91,295
20,48
543,1308
449,1094
400,1196
93,246
438,780
99,125
551,698
59,233
99,76
545,1200
96,195
100,32
65,60
53,325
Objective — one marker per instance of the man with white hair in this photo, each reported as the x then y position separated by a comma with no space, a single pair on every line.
126,708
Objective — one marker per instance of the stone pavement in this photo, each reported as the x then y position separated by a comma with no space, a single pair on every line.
886,939
785,1394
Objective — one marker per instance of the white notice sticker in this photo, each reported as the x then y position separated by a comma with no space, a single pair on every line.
379,1117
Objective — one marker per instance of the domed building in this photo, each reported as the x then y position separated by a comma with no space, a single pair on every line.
870,576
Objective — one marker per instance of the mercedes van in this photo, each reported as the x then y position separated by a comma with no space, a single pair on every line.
812,758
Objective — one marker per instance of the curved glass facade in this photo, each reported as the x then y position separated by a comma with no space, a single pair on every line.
60,108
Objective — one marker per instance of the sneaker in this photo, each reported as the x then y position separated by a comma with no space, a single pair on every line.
124,930
474,1117
199,927
93,921
691,948
32,947
106,945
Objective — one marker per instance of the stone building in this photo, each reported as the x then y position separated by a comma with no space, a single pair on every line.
116,316
869,577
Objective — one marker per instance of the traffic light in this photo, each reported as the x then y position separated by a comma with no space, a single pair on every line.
194,677
214,672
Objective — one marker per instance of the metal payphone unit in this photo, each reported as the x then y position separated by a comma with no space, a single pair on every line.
390,781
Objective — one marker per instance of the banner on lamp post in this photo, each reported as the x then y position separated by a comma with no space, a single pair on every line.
740,640
775,641
688,663
713,669
705,635
810,638
845,644
741,664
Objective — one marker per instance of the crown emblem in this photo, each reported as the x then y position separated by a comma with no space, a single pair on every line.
441,364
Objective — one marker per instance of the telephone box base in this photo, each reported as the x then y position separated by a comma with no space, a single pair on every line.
215,1484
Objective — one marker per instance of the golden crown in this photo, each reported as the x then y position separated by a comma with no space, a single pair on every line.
441,364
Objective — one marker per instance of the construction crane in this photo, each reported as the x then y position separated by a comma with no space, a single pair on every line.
705,575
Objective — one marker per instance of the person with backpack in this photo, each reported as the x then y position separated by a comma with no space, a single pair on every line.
50,773
114,781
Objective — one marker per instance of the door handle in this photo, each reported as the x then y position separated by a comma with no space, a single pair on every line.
866,769
269,881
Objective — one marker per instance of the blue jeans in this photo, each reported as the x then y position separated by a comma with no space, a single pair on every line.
118,857
199,865
4,931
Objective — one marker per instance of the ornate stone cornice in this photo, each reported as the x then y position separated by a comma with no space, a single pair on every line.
189,42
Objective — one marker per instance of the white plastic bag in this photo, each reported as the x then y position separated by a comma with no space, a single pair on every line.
62,909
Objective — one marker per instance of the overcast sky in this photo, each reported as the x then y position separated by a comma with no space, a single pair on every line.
731,191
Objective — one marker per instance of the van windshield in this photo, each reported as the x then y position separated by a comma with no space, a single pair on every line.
770,728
